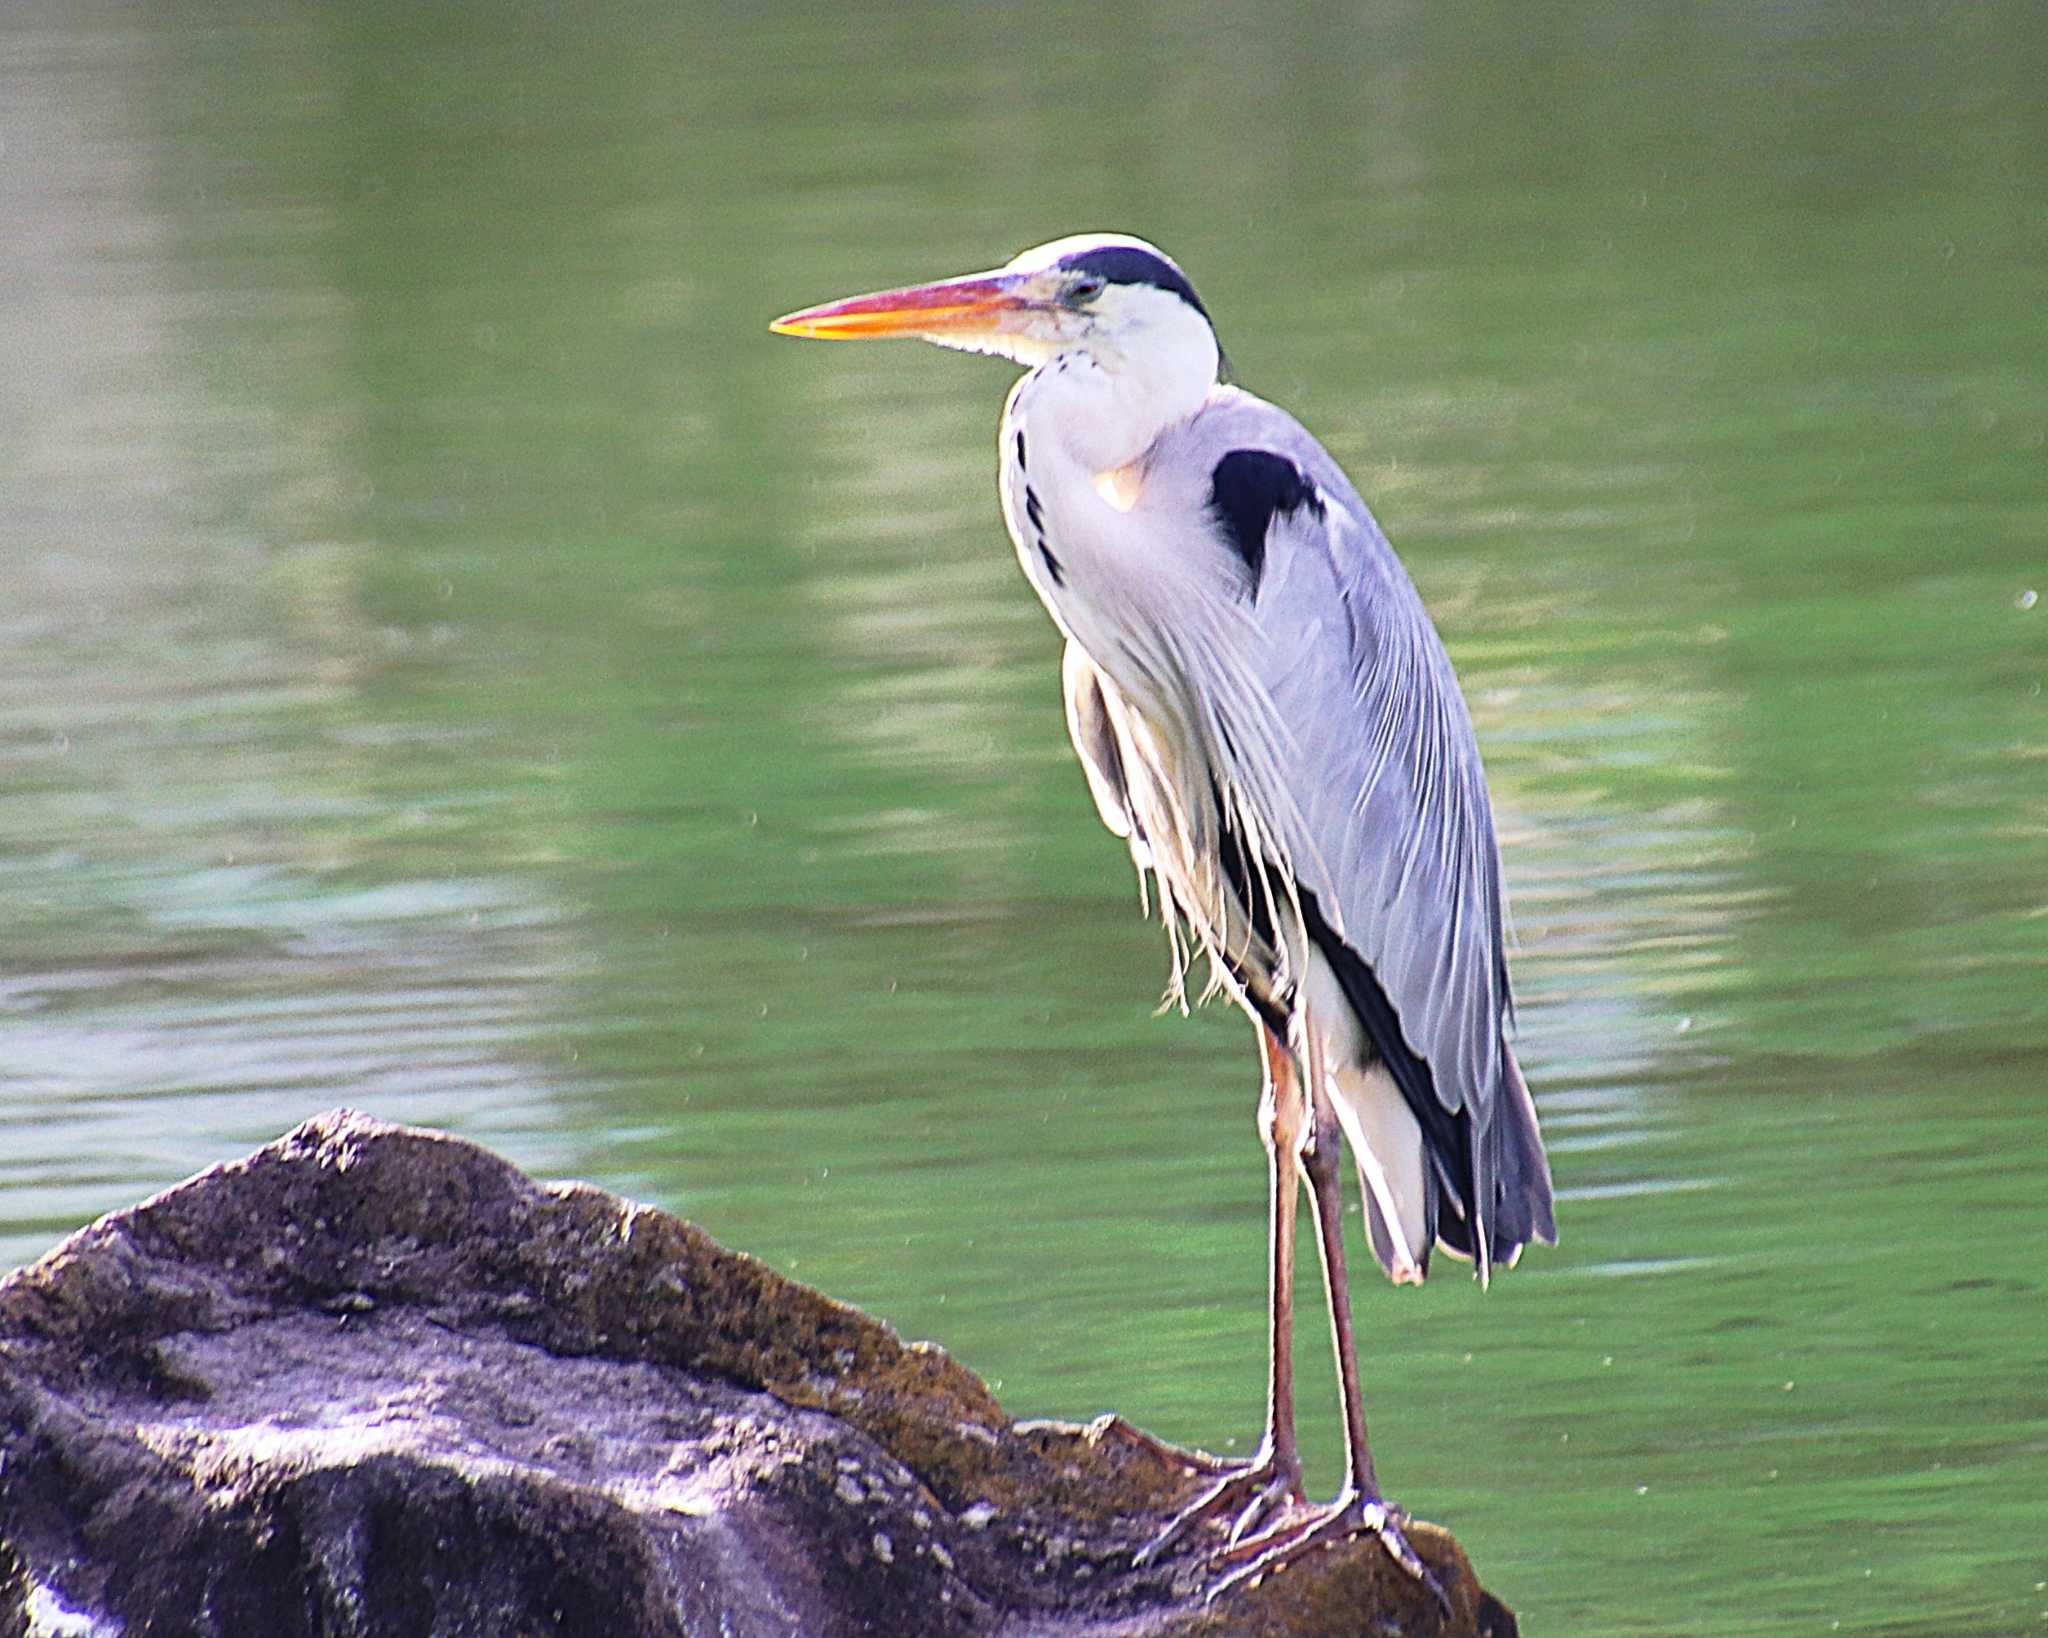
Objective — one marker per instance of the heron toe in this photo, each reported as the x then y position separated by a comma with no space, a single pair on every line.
1113,1426
1352,1514
1260,1485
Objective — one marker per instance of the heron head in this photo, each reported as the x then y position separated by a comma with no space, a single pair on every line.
1118,300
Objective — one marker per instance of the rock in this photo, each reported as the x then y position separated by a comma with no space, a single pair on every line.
372,1381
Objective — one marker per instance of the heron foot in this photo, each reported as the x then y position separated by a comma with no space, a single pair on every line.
1113,1426
1257,1488
1351,1515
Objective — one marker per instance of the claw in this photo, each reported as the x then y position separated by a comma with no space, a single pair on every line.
1348,1516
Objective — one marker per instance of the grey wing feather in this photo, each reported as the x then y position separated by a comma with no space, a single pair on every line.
1386,770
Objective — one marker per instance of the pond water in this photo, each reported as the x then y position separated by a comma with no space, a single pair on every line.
454,662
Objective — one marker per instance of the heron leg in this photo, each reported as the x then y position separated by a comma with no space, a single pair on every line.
1326,1197
1359,1508
1272,1478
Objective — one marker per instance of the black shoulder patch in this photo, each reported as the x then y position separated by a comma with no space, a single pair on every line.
1246,489
1126,264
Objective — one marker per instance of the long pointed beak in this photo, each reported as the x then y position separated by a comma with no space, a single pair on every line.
979,303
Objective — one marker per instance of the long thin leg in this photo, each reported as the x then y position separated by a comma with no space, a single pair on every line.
1359,1507
1326,1194
1282,1120
1273,1476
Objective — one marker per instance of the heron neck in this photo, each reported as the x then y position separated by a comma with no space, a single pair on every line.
1107,413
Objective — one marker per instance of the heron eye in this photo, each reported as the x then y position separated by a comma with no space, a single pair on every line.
1085,289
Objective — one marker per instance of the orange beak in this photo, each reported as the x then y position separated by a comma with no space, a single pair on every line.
979,303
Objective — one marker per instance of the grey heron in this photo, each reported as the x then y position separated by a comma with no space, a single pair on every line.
1266,715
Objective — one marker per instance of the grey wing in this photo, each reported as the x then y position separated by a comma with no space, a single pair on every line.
1401,863
1392,792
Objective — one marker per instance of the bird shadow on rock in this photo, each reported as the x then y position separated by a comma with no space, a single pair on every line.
373,1380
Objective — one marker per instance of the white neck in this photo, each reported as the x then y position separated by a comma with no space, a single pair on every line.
1108,394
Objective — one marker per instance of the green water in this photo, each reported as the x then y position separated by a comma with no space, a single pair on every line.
454,662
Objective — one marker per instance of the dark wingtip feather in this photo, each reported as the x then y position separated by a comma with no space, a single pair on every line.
1522,1207
1528,1202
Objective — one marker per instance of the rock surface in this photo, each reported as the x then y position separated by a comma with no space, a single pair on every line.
372,1381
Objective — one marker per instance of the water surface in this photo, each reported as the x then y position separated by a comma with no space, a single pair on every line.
454,662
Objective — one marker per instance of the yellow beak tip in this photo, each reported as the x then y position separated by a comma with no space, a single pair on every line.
979,302
823,327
